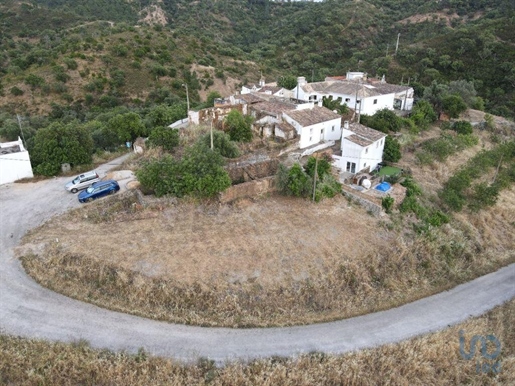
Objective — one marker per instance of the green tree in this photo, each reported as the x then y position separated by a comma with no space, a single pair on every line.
423,114
165,137
288,82
221,143
58,144
392,150
103,137
453,105
128,126
434,94
199,173
323,167
203,174
299,183
383,120
210,101
239,126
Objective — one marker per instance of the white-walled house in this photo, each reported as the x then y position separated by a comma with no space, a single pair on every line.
14,162
366,96
314,124
361,148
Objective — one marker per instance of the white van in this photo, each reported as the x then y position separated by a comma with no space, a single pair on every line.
82,181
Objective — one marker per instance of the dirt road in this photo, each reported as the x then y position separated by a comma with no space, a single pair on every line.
26,309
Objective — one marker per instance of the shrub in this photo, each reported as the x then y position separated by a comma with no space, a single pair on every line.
16,91
453,105
165,137
199,173
299,183
221,143
387,203
462,127
392,150
323,167
239,126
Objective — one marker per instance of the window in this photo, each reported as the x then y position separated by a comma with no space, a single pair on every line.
377,145
311,131
375,101
358,101
365,165
310,139
332,129
366,150
347,99
351,167
322,131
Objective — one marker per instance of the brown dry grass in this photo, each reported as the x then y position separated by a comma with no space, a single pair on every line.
433,359
278,261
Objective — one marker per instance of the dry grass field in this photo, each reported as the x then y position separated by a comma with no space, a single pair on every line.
275,261
433,359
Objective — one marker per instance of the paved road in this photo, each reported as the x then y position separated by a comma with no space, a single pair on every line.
29,310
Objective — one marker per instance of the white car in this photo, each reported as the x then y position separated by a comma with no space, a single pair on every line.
82,181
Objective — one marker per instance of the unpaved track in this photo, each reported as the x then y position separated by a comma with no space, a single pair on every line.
29,310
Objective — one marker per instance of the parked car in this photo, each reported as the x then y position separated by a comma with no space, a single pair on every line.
82,182
99,189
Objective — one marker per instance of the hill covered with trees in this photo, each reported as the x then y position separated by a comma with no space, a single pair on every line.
87,61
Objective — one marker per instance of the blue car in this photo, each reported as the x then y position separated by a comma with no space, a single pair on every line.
99,189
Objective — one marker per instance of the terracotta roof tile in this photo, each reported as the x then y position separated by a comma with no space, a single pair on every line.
308,117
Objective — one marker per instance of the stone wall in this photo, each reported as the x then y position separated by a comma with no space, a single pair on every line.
245,170
371,206
248,189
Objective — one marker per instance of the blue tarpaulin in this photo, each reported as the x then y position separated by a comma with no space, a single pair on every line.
383,187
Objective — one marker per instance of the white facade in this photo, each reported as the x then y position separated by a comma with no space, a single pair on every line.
357,92
314,125
361,148
14,162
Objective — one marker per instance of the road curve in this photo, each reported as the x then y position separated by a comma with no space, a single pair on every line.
29,310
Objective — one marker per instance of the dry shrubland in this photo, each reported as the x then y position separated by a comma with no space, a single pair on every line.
433,359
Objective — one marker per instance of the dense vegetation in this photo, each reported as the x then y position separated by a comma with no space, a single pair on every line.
97,64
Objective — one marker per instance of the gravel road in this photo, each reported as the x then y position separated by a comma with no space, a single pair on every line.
28,310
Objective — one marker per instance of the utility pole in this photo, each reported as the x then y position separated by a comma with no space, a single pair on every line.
21,130
397,45
315,178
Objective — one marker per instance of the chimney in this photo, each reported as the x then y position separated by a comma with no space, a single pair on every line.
383,79
346,125
262,81
301,81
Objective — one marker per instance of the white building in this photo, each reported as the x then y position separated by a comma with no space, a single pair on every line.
314,124
14,162
358,92
361,148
